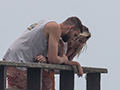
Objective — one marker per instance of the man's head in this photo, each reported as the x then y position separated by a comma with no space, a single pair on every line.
73,27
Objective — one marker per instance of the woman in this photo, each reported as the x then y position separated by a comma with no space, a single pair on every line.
75,47
71,48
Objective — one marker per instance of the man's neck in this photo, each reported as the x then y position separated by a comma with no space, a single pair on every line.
63,29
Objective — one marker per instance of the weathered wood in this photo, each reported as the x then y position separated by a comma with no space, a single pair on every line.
2,77
93,81
66,80
34,79
54,67
14,89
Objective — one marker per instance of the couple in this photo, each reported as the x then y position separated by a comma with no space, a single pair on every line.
41,40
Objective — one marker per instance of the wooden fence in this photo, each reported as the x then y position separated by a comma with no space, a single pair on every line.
34,73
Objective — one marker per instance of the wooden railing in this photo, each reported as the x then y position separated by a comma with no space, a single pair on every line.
34,75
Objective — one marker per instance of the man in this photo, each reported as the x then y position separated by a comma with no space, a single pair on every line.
42,39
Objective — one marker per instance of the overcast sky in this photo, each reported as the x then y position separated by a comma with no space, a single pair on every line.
102,17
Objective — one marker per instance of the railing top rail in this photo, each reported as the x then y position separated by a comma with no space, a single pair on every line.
53,66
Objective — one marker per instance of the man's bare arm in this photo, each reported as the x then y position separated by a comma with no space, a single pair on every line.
54,33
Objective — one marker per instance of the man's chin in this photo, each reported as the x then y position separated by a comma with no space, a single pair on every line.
64,40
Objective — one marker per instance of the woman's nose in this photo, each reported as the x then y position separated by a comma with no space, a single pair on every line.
73,38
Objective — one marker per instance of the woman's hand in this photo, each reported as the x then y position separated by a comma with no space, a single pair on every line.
40,59
74,63
80,70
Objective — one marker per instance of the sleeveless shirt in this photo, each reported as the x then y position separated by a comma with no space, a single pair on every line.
29,44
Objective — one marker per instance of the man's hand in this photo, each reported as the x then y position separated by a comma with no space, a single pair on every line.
65,58
40,59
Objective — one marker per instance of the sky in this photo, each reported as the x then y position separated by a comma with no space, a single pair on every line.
100,16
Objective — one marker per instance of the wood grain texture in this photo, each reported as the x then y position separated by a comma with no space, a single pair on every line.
54,67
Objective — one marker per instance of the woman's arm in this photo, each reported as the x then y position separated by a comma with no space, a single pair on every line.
71,53
74,63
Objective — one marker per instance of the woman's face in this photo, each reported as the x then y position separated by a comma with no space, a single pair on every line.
80,42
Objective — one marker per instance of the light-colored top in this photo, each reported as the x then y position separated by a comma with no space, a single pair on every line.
29,44
65,46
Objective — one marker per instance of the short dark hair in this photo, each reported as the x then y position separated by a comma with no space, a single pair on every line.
74,21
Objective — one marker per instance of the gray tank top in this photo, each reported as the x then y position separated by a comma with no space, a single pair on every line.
29,44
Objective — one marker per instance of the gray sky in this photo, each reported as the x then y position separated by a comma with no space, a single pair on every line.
100,16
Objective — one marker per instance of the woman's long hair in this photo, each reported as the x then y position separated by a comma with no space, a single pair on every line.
84,34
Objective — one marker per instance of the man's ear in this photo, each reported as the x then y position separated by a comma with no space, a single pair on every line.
71,28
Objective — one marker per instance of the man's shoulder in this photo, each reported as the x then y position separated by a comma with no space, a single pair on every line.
52,25
52,28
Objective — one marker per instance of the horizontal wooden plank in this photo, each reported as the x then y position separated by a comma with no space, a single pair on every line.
54,67
14,89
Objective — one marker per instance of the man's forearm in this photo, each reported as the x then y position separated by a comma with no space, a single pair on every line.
58,59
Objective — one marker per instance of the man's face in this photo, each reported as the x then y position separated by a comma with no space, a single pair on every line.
71,35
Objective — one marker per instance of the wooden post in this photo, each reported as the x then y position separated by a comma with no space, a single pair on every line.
3,70
93,81
34,79
66,80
